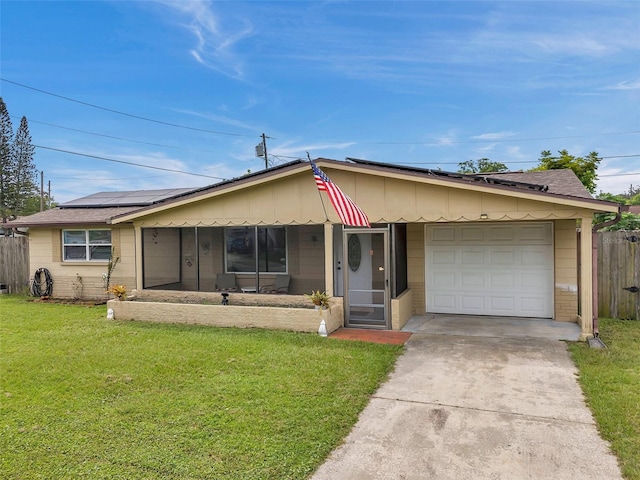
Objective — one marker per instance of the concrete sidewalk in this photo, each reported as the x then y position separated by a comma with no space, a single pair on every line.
476,407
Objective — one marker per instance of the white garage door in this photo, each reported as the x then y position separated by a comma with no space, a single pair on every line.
490,269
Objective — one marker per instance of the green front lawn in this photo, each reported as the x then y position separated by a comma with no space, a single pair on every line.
85,397
610,380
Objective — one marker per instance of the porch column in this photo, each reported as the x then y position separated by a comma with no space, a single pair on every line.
586,280
328,258
137,255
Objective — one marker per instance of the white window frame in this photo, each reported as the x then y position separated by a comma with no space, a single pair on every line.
87,245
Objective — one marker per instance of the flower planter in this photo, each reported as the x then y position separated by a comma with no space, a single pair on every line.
267,317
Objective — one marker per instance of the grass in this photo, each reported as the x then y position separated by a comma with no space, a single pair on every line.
85,397
610,380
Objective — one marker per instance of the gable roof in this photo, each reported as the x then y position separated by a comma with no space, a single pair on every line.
561,182
478,179
556,186
486,183
62,217
96,209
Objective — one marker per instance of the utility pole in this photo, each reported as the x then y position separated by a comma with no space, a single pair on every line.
41,190
261,150
49,197
264,146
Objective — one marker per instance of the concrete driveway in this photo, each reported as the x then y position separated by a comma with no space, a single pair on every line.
477,398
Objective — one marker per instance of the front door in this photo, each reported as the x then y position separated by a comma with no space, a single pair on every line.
366,278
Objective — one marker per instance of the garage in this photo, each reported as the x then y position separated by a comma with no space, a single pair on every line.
490,269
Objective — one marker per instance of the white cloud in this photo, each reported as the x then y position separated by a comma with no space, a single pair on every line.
489,147
494,135
222,119
215,44
617,183
616,175
121,171
626,85
448,138
290,149
572,45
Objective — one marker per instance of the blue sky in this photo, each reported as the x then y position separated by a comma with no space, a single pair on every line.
429,84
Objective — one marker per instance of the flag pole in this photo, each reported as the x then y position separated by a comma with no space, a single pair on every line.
319,194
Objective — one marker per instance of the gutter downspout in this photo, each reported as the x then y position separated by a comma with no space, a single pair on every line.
594,263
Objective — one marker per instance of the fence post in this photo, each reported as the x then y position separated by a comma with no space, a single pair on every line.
619,274
14,263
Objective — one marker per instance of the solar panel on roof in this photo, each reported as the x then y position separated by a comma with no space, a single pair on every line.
121,199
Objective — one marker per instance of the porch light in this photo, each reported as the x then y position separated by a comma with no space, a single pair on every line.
484,216
225,298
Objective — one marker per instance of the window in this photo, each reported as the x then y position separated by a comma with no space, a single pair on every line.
241,250
83,245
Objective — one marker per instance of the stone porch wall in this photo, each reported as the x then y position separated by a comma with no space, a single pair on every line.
401,309
241,316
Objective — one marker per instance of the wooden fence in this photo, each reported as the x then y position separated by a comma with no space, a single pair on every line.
14,263
619,274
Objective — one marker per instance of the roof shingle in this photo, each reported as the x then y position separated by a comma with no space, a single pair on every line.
560,182
70,216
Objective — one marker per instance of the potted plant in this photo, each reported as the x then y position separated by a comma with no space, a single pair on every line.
120,291
319,299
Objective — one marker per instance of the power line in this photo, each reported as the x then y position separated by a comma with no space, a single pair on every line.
126,163
462,142
620,174
116,138
146,119
502,140
84,177
623,156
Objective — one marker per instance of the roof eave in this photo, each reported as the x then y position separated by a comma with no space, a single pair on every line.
580,202
296,167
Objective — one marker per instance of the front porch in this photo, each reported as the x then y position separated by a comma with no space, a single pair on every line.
244,310
368,279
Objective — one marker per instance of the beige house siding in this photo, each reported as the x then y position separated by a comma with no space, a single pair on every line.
81,279
294,200
56,245
566,271
401,309
415,267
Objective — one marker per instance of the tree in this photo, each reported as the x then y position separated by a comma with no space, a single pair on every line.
17,170
584,167
6,137
610,197
628,221
32,203
483,165
22,153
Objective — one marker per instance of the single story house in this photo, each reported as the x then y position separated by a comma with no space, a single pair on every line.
504,244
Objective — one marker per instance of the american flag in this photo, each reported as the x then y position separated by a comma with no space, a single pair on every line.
347,210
